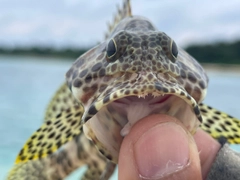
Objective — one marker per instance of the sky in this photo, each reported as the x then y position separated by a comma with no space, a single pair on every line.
81,23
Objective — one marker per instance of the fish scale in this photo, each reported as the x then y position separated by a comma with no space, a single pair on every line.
136,71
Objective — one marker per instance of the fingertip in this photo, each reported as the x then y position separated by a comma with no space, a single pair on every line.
157,148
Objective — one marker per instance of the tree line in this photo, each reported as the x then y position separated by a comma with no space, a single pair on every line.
224,53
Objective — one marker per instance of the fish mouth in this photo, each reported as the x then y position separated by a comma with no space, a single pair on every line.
113,115
134,108
128,110
152,100
154,93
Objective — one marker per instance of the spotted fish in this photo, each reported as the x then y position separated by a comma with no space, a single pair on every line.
136,71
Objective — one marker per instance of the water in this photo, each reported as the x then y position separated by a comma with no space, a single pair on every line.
27,84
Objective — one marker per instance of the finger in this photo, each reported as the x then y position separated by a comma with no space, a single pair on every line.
158,147
207,148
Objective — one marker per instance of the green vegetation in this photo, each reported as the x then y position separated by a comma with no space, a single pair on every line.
41,51
224,53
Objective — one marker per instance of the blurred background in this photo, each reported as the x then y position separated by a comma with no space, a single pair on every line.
39,40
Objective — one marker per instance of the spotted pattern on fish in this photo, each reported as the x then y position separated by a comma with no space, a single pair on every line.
76,153
136,71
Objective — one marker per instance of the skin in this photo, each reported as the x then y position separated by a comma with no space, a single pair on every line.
170,145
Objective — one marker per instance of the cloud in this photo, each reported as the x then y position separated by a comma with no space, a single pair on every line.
83,23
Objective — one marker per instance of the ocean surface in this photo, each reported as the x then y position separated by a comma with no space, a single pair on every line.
28,83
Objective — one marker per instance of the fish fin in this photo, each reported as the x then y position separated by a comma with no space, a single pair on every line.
219,124
62,100
52,135
80,151
74,154
93,171
122,13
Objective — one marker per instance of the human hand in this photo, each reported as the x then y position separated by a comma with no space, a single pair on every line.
159,147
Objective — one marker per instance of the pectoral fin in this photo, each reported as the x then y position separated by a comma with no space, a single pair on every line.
52,135
219,124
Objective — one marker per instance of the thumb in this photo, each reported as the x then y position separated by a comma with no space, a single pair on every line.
158,147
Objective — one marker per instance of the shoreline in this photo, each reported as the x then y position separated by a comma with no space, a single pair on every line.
226,68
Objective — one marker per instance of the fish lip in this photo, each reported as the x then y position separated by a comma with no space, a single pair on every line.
158,89
153,100
162,100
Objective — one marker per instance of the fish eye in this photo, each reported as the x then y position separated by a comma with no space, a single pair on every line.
174,49
111,49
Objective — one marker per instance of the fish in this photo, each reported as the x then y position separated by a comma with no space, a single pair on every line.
135,72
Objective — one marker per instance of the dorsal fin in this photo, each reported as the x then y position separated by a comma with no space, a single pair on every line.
122,13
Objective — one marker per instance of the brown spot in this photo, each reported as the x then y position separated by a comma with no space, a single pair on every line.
106,99
152,44
102,87
107,78
51,135
144,44
115,96
182,93
207,125
136,45
59,144
39,144
197,90
218,130
89,93
59,115
83,73
165,90
136,39
40,137
77,83
114,67
75,74
210,121
138,51
127,92
224,127
102,72
164,43
100,56
50,129
202,84
172,90
149,57
188,88
150,77
54,108
237,136
228,123
192,77
134,68
172,67
80,62
144,37
96,67
63,128
188,97
88,78
69,73
109,157
183,73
